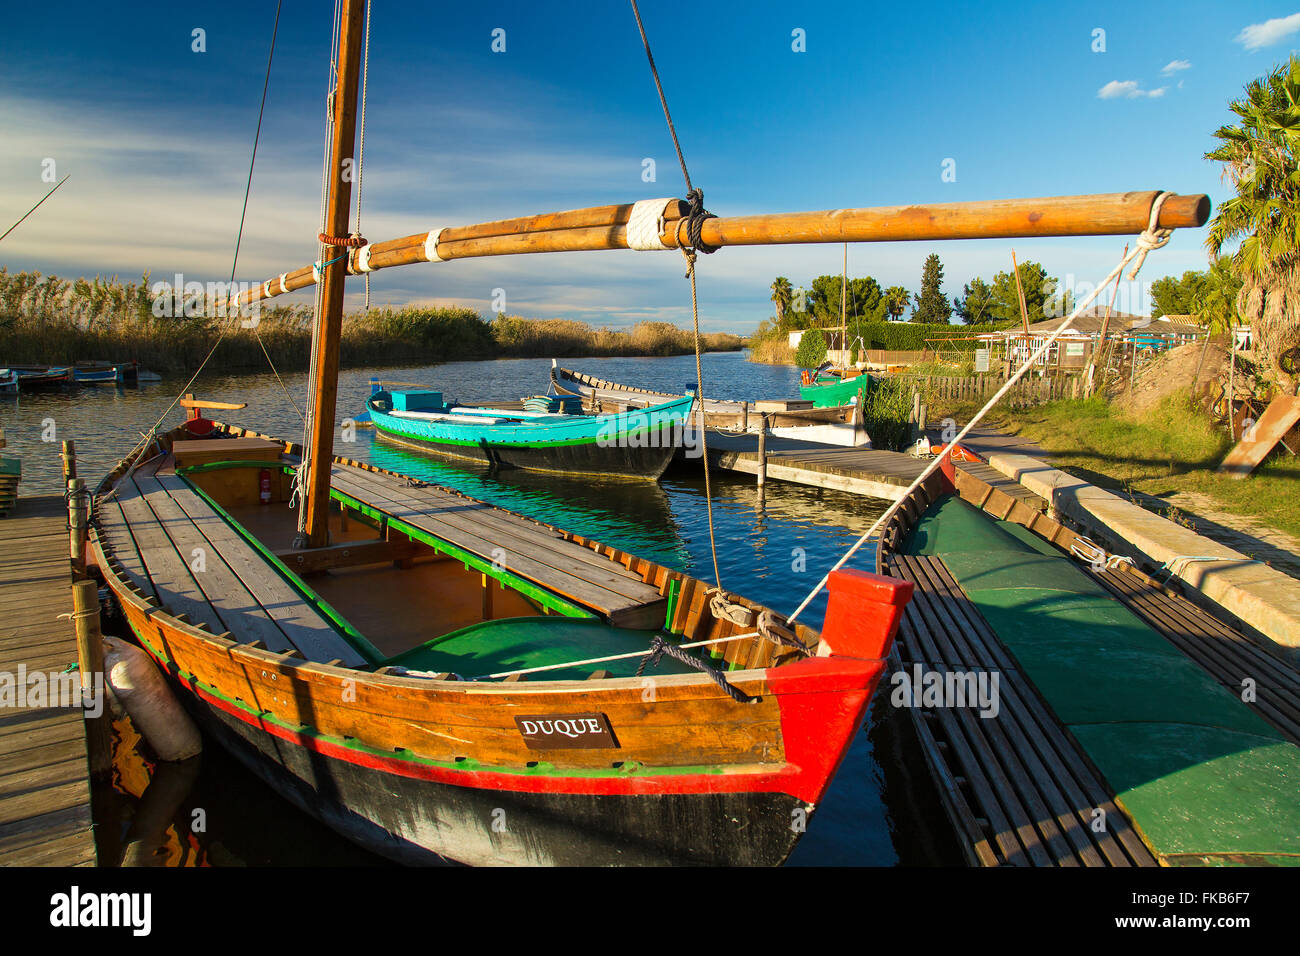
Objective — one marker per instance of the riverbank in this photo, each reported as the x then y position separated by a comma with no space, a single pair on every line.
51,321
1164,459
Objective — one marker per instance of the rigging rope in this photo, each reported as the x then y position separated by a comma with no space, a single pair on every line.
153,431
1151,238
303,471
361,152
694,223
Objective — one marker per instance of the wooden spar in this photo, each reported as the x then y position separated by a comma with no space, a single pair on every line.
605,227
330,320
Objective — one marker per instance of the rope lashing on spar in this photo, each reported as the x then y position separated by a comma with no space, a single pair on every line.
1153,237
694,221
354,241
659,648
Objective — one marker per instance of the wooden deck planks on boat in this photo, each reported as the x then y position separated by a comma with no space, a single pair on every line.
1015,785
45,815
526,548
198,565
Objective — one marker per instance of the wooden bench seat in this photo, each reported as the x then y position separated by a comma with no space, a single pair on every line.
193,561
524,547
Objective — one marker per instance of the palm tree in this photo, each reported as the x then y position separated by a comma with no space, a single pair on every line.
1260,155
896,301
782,294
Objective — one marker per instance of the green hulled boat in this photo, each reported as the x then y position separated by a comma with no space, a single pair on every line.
830,391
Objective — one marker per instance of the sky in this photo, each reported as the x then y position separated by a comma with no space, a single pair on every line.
1013,99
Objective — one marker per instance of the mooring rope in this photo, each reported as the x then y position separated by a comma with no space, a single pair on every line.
1151,238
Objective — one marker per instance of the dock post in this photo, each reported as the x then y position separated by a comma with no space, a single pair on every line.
78,507
90,661
744,421
69,460
762,460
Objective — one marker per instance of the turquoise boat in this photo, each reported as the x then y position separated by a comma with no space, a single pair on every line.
831,391
637,443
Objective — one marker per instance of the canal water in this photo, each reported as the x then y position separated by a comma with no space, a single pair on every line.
879,811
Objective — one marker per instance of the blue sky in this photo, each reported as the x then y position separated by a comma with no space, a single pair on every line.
157,137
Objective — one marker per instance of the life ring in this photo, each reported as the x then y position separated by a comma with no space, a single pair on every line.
959,453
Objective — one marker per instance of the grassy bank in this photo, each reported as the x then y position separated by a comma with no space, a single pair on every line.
47,320
1172,448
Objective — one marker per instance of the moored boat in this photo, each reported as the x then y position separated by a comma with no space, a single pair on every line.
638,444
42,377
797,418
492,708
96,375
826,390
1205,777
8,381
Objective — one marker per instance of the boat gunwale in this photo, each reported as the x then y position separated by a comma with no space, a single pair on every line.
149,607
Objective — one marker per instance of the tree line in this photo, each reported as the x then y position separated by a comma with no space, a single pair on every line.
865,300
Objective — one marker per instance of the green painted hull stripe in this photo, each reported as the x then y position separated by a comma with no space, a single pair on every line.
607,440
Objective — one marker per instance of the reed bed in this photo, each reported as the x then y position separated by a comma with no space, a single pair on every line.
54,321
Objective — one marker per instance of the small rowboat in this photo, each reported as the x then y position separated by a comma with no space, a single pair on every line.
8,381
637,444
41,377
97,375
831,391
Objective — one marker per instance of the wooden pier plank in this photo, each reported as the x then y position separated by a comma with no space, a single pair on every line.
44,774
1015,781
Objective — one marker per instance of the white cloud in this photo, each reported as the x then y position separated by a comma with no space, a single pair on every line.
1174,66
1128,89
1264,34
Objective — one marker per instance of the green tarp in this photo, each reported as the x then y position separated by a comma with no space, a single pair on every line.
1198,770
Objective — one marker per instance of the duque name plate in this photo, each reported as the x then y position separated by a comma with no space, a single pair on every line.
566,732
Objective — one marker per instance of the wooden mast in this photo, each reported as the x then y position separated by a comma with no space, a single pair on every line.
329,323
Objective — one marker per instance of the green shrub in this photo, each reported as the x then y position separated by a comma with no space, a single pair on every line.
812,349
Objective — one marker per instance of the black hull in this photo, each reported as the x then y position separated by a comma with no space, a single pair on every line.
641,461
416,821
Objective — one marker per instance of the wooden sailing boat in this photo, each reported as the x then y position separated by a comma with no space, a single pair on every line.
634,444
433,676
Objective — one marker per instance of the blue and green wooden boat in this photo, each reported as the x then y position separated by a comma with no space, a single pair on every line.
832,391
638,443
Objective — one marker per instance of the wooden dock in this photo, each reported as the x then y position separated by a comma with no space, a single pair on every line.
45,815
862,471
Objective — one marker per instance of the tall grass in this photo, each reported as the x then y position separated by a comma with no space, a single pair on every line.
48,320
885,413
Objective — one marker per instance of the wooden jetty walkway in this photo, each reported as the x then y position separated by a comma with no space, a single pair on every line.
45,815
863,471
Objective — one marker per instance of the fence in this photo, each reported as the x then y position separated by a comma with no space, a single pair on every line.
971,388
